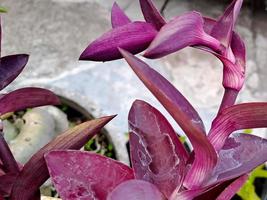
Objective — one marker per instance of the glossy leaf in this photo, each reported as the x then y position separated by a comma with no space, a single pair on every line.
237,117
223,29
136,190
184,114
152,14
239,156
182,31
135,37
27,98
118,17
84,175
35,173
10,67
157,154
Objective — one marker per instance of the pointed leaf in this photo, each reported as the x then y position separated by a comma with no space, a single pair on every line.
10,67
182,31
27,98
223,29
157,154
85,175
136,190
237,117
184,114
35,173
135,37
240,155
118,17
152,14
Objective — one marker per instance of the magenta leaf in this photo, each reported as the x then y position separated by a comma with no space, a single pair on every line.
151,14
27,98
135,37
182,31
84,175
183,113
118,17
35,173
136,190
239,156
10,68
157,155
233,188
6,183
237,117
223,29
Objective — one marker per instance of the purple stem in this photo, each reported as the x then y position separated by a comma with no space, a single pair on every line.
229,98
9,162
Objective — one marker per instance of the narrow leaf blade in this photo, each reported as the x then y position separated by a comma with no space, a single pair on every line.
10,67
27,98
152,14
136,189
35,173
85,175
118,17
135,37
184,114
157,155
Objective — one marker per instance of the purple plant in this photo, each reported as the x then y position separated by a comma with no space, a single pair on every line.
19,182
161,167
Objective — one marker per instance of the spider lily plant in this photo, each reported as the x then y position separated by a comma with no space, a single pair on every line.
23,182
162,168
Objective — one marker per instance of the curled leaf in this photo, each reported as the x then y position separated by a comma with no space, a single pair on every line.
157,155
135,37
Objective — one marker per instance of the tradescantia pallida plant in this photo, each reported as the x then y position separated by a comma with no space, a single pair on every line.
19,182
161,167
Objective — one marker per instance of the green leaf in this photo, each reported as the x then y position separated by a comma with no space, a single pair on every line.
3,9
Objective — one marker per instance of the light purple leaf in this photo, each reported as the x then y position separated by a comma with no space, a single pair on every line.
183,113
136,190
151,14
237,117
239,156
35,173
118,17
10,67
182,31
27,98
135,37
233,188
157,154
223,29
81,175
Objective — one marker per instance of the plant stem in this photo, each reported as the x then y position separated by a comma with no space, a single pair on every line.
229,98
164,6
9,162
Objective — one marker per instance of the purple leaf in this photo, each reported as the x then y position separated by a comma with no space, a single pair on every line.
157,154
184,114
151,14
84,175
239,156
27,98
135,37
6,183
223,29
237,117
233,188
118,17
136,190
9,163
10,67
35,173
182,31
